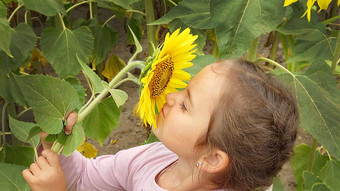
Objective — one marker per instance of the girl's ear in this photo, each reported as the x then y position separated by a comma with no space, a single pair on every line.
216,162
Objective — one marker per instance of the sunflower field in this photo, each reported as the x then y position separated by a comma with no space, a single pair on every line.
306,32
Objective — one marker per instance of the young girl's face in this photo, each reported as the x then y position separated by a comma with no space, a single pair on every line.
185,116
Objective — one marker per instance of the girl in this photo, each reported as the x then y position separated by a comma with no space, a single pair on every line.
232,128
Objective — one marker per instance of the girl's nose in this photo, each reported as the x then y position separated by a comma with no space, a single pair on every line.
170,99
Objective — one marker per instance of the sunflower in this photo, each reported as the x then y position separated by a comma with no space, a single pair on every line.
166,74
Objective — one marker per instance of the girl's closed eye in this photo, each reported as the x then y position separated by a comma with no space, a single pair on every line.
183,107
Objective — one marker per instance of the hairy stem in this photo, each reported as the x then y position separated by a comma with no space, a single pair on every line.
150,17
112,83
336,54
252,52
76,5
274,63
273,50
4,107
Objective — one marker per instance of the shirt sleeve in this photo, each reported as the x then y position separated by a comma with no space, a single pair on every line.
108,172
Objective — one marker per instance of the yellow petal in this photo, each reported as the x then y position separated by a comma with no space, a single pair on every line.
323,4
289,2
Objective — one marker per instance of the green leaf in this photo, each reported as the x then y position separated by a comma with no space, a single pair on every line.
96,82
5,31
299,163
307,50
138,46
102,120
319,104
78,87
119,96
237,23
23,41
19,155
62,47
319,162
21,130
10,90
135,23
50,99
122,3
46,7
202,36
11,178
194,13
330,174
320,187
152,138
74,140
104,39
277,184
3,11
35,131
199,63
310,180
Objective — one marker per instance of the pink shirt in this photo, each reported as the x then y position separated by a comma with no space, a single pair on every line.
134,169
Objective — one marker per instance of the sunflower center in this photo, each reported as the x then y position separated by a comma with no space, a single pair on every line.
161,77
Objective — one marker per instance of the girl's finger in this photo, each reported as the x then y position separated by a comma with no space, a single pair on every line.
35,169
42,162
27,174
51,158
70,121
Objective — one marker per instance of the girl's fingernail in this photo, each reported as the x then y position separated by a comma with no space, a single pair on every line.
67,132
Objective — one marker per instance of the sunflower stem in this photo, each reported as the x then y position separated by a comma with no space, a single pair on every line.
336,54
252,52
112,83
149,18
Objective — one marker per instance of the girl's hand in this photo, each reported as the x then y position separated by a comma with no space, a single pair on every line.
71,119
45,173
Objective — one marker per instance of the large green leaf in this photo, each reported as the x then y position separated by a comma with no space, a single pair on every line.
21,130
311,50
22,41
202,36
321,187
319,104
50,99
46,7
74,140
3,11
330,174
299,163
19,155
78,87
10,90
194,13
199,63
102,120
62,47
104,39
310,179
237,23
11,178
122,3
5,31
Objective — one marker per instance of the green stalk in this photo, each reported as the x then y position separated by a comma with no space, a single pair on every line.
103,94
150,29
28,19
274,63
59,22
252,52
76,5
135,11
15,10
3,124
284,46
93,10
336,54
273,50
312,155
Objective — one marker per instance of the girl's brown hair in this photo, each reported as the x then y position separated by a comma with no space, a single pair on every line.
255,122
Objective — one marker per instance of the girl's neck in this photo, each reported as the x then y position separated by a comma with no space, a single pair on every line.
181,176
